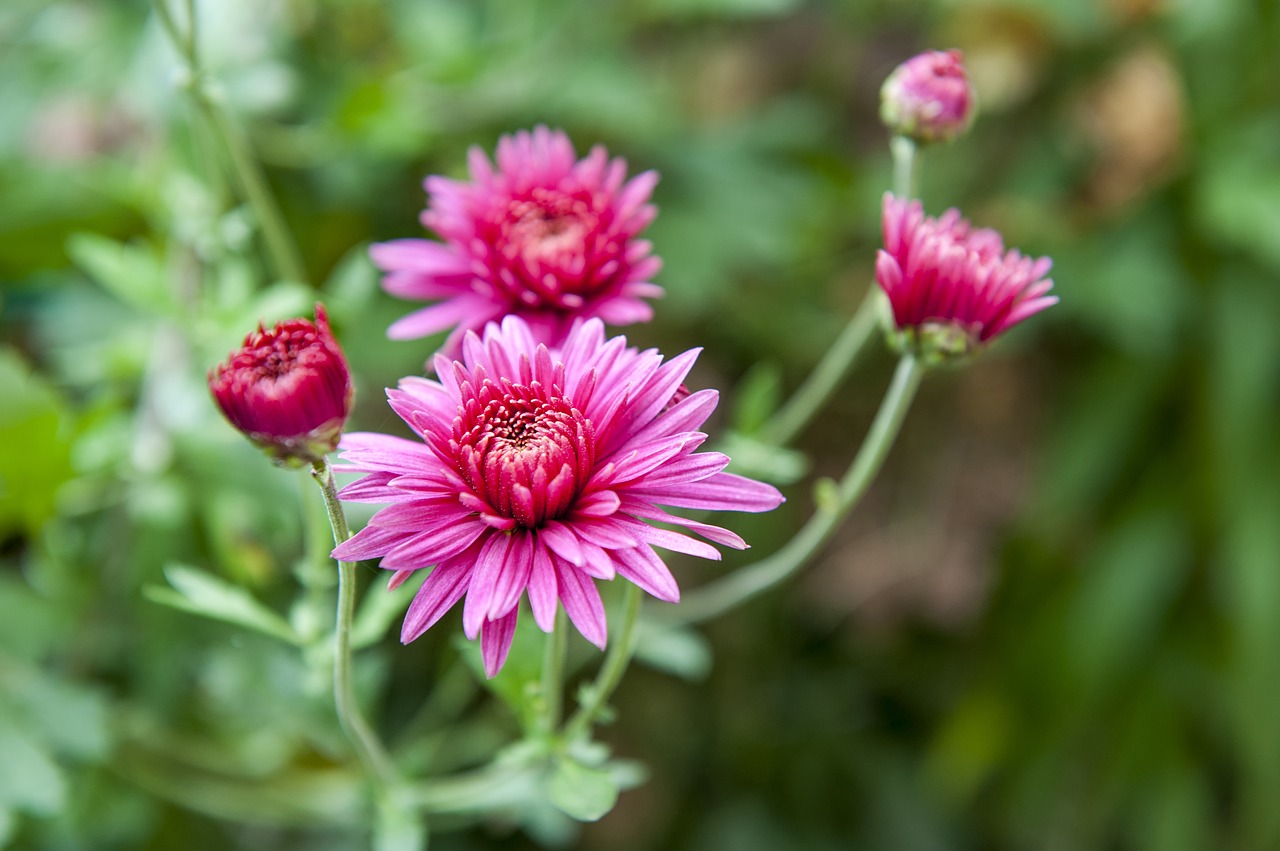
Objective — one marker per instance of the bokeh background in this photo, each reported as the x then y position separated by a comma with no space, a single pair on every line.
1053,624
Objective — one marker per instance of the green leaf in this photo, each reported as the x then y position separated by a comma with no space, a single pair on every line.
33,417
31,780
756,398
201,593
764,461
676,650
580,792
132,273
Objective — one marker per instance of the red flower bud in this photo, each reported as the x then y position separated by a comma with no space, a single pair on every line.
928,97
287,389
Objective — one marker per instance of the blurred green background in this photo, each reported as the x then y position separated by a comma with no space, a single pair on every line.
1054,623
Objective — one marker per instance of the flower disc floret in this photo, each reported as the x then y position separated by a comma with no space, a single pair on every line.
537,473
523,450
539,234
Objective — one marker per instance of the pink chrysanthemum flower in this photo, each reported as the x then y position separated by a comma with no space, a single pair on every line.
953,288
537,470
545,236
288,389
929,97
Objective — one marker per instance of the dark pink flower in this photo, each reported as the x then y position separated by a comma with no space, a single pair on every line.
959,285
287,389
538,471
929,97
544,236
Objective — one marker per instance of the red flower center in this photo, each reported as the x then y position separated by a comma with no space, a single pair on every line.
551,249
525,450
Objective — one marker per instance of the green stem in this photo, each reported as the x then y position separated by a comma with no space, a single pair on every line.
615,665
553,674
281,251
718,597
903,150
827,376
368,748
785,425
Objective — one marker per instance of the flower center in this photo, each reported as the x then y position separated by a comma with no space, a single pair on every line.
525,450
552,250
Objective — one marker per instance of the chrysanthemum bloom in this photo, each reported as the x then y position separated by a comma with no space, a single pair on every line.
538,471
287,389
953,288
928,97
545,236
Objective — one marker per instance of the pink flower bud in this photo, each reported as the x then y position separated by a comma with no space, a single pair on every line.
929,97
287,389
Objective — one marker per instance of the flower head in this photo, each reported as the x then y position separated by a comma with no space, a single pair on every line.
537,471
929,97
544,236
953,288
287,389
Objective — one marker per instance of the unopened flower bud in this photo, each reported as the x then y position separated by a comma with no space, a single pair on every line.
929,98
288,389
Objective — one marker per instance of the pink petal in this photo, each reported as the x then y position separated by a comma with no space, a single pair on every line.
721,492
642,566
514,575
495,641
543,590
442,588
582,603
490,562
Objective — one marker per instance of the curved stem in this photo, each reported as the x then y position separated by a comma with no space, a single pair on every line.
615,665
281,251
718,597
792,417
368,748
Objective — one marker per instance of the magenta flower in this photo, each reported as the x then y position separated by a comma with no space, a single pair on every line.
929,97
288,389
951,284
545,236
537,471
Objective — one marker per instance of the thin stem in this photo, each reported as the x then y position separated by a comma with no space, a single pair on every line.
553,674
903,150
718,597
787,423
281,251
368,748
615,665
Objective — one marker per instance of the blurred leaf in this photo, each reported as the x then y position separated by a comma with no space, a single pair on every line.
517,684
756,398
676,650
399,829
757,460
133,273
31,780
583,793
379,610
33,418
203,594
67,717
1125,593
